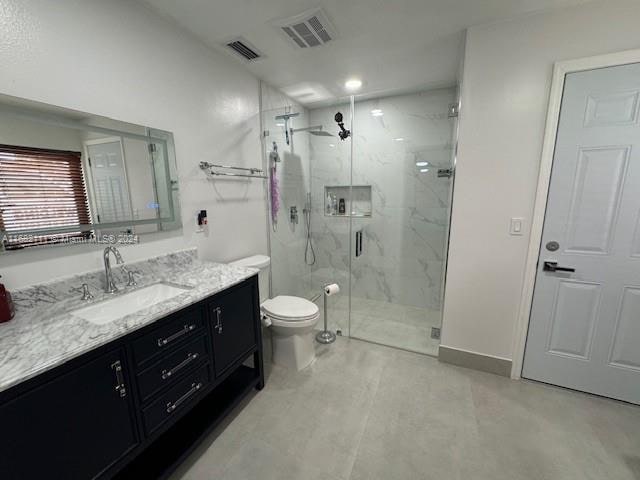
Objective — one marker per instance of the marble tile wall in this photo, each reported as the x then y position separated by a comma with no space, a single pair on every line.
404,240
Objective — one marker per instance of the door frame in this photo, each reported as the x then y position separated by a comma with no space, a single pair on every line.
560,70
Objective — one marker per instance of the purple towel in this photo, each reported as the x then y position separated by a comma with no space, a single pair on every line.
275,199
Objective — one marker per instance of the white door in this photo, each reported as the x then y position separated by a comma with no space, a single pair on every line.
584,331
109,181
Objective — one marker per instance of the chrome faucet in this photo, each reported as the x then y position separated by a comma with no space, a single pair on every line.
110,286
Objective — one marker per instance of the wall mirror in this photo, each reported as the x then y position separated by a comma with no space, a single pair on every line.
68,177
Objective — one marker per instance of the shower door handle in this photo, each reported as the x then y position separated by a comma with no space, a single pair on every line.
358,243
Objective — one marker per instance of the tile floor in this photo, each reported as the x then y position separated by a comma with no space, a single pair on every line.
387,323
363,411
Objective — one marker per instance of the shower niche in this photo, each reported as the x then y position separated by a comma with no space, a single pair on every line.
347,201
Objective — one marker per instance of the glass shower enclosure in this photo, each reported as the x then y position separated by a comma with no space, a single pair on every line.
376,212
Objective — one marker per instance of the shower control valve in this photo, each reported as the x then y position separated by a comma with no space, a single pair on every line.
293,215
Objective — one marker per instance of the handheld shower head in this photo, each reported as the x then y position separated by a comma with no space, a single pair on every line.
343,133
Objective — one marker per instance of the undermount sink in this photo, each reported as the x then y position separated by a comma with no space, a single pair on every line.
125,304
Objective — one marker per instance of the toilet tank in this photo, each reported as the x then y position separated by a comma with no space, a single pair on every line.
262,263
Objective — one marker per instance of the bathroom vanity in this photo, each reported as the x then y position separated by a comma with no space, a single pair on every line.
131,398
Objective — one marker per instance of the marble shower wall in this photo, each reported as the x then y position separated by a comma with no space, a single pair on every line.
290,274
404,240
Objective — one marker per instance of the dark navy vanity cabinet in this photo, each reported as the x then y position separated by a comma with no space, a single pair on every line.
136,407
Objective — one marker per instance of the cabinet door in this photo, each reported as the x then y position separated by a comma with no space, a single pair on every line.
234,320
72,427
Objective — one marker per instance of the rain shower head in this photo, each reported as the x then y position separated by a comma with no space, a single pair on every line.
316,130
320,133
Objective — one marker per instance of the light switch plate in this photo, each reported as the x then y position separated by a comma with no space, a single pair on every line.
516,227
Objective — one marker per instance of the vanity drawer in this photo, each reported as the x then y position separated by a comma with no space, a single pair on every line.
177,399
184,326
167,369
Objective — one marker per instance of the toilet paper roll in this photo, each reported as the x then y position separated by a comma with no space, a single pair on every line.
331,289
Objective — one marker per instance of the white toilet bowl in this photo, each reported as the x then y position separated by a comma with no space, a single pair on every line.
291,320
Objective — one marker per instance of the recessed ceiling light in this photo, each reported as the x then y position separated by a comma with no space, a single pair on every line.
279,124
424,170
422,164
331,145
399,139
376,112
353,84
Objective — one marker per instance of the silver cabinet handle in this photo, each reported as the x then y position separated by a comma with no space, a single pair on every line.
117,368
190,358
218,325
186,329
194,388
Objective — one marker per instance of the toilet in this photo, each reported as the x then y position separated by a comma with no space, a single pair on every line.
291,319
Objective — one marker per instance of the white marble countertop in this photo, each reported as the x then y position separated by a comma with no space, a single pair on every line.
44,334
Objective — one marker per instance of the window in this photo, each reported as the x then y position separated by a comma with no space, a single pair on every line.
41,189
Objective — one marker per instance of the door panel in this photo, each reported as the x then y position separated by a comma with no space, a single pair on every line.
109,182
625,351
596,196
73,427
584,330
611,109
574,318
234,326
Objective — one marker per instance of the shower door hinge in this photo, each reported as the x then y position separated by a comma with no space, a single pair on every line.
454,110
435,333
265,133
445,172
152,148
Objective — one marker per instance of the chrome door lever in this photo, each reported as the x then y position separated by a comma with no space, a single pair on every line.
553,267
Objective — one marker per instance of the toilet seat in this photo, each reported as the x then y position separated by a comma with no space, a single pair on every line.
285,308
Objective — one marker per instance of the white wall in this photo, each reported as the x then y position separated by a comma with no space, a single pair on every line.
118,59
505,88
25,133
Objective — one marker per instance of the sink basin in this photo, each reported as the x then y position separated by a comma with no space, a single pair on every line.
128,303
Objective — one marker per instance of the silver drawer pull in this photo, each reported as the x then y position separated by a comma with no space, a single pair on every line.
218,325
190,358
194,388
120,388
186,329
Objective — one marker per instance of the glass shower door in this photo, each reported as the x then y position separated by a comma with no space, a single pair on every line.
400,190
330,219
288,187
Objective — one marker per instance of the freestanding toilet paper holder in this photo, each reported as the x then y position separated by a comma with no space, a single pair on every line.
325,336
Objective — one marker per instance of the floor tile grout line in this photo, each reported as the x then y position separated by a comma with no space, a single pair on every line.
366,420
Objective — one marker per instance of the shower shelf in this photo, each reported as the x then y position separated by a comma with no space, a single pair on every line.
344,215
361,206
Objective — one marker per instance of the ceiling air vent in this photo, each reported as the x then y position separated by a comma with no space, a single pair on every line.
309,29
243,48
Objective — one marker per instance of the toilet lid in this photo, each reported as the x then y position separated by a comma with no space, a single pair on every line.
288,308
